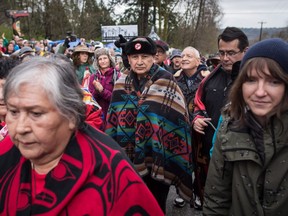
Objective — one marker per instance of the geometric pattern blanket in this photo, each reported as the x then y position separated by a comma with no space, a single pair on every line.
149,120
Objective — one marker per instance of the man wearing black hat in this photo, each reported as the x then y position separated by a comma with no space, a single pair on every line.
148,118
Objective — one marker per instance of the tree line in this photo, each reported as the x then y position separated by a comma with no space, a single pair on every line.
178,22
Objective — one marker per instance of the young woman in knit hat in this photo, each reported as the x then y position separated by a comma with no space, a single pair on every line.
101,83
248,170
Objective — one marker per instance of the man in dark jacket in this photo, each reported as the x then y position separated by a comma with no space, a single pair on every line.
211,97
188,79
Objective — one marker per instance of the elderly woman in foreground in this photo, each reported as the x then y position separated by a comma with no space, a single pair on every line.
54,163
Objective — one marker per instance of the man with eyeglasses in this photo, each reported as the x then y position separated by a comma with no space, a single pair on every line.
210,97
161,55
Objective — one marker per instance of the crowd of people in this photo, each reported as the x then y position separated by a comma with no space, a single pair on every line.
83,133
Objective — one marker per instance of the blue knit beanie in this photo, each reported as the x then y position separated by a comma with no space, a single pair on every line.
274,48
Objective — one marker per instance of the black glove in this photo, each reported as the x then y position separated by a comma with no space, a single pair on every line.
66,42
120,43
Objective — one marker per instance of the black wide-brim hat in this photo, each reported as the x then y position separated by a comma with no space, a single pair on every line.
140,45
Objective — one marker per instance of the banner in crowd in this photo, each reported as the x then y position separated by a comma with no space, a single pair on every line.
110,33
15,15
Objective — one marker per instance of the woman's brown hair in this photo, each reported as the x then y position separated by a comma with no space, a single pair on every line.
237,107
76,59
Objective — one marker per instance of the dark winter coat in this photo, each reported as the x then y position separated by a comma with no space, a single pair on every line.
248,170
189,85
210,97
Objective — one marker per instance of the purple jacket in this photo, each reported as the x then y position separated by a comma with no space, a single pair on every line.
107,81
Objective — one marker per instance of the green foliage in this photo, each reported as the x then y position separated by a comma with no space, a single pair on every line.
180,23
53,18
7,30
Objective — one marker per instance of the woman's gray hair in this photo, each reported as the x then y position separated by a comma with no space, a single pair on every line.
57,78
103,51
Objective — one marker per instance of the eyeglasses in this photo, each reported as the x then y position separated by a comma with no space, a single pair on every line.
160,51
228,53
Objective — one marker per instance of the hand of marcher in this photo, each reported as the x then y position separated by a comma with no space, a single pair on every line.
200,124
98,86
87,75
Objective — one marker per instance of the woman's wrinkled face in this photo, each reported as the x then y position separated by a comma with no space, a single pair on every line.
262,93
83,56
103,61
36,127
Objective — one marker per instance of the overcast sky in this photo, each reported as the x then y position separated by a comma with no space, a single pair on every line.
250,13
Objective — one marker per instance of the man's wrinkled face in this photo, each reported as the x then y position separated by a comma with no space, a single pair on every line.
141,63
189,60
